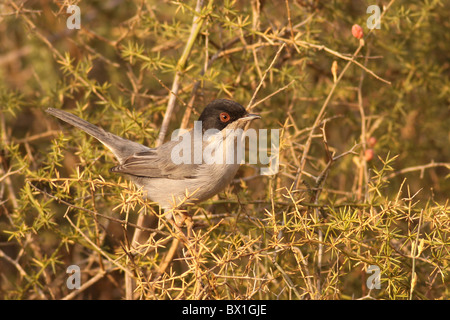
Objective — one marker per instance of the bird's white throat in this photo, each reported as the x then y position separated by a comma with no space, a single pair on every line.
227,146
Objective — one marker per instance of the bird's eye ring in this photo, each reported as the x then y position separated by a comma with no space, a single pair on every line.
224,117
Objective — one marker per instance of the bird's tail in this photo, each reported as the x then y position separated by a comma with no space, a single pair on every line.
122,148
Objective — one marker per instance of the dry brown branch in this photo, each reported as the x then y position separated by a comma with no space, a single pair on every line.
319,119
261,82
325,104
420,168
86,285
195,29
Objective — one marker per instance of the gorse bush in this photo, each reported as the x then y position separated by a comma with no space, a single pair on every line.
358,208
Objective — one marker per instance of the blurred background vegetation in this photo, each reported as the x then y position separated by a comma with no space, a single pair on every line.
364,158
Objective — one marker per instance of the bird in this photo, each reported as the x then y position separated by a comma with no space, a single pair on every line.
161,173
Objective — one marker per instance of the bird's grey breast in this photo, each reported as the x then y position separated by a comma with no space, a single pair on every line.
198,181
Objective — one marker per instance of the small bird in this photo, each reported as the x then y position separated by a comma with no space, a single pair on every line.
169,182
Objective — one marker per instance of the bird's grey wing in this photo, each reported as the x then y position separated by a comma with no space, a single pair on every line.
156,163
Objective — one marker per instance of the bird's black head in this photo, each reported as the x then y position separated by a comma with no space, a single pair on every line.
221,113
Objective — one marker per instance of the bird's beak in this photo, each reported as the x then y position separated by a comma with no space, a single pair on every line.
250,117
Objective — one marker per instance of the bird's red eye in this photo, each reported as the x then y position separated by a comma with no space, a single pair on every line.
224,117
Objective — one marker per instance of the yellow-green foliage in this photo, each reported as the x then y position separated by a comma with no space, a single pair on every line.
364,159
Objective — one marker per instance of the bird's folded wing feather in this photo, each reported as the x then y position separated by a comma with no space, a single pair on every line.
153,164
